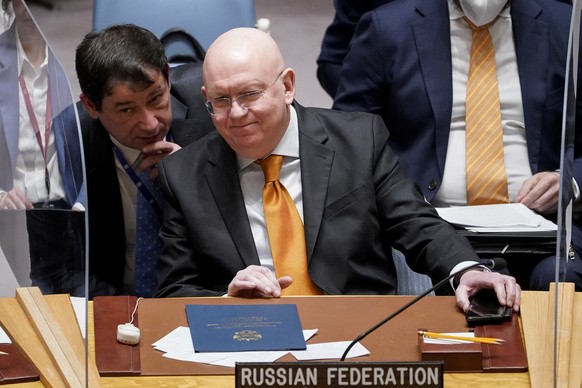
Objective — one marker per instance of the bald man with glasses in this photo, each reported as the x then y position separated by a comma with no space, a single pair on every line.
288,200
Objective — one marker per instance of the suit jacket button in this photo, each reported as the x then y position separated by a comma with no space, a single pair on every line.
432,185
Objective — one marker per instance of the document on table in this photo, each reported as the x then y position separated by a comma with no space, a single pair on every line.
177,345
510,217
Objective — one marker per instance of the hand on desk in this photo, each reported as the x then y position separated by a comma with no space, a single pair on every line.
257,282
507,290
540,192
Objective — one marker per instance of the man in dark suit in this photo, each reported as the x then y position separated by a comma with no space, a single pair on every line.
134,104
344,180
408,62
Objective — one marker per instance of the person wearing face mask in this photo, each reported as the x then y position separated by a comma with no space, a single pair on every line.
409,62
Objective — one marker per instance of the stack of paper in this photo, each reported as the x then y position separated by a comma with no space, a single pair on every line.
177,345
511,217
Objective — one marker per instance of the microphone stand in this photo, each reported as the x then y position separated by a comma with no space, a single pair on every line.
401,309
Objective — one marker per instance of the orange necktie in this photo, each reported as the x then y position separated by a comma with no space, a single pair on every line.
285,230
486,177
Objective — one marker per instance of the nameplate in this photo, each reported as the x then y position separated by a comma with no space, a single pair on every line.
339,374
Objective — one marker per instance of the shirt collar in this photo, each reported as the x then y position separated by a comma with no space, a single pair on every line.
288,146
130,154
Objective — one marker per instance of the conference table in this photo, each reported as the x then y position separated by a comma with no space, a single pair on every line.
534,310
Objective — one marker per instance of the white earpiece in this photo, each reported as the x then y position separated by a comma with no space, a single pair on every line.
128,334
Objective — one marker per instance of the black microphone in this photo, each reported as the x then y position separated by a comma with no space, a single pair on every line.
495,263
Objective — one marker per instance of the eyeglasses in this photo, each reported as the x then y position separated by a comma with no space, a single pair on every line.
222,105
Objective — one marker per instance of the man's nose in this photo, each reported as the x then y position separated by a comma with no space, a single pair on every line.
236,109
148,120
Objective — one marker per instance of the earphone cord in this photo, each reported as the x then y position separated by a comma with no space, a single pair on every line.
135,308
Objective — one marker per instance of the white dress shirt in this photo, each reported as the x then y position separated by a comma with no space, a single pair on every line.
128,191
29,174
453,189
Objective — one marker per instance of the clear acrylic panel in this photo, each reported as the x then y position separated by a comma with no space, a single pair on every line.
570,149
42,196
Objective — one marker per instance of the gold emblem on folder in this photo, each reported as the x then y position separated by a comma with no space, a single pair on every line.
246,335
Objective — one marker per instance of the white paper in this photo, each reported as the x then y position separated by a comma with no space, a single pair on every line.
510,217
329,350
4,339
177,345
80,308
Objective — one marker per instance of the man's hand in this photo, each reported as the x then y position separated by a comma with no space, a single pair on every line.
506,288
257,282
540,192
154,153
14,199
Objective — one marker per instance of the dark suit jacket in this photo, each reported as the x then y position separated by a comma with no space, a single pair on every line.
356,204
106,228
337,37
399,66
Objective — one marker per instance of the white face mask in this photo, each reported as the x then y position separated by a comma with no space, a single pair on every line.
481,12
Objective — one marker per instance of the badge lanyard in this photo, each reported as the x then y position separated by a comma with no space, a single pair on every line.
138,182
36,128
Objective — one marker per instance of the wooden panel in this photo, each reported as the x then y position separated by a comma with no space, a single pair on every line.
21,331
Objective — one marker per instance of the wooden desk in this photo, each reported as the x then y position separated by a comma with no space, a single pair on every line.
451,379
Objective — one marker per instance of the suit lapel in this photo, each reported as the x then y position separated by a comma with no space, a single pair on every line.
433,45
316,162
222,178
66,130
531,37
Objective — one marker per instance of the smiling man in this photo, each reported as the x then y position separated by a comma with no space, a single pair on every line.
288,200
134,115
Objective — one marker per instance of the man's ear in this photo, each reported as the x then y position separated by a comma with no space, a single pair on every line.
89,106
289,82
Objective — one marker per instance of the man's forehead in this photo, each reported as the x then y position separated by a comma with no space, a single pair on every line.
126,88
123,94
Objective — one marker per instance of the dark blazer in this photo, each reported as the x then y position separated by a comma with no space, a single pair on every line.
357,203
106,228
337,37
66,132
399,66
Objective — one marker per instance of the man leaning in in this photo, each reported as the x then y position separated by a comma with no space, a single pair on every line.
136,112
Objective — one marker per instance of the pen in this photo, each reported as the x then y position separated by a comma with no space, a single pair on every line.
136,163
483,340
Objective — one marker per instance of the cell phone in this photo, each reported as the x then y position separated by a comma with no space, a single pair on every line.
486,309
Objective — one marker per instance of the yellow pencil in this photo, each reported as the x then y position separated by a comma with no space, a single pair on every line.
483,340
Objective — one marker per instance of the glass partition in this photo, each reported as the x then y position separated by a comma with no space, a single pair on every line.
570,150
42,196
